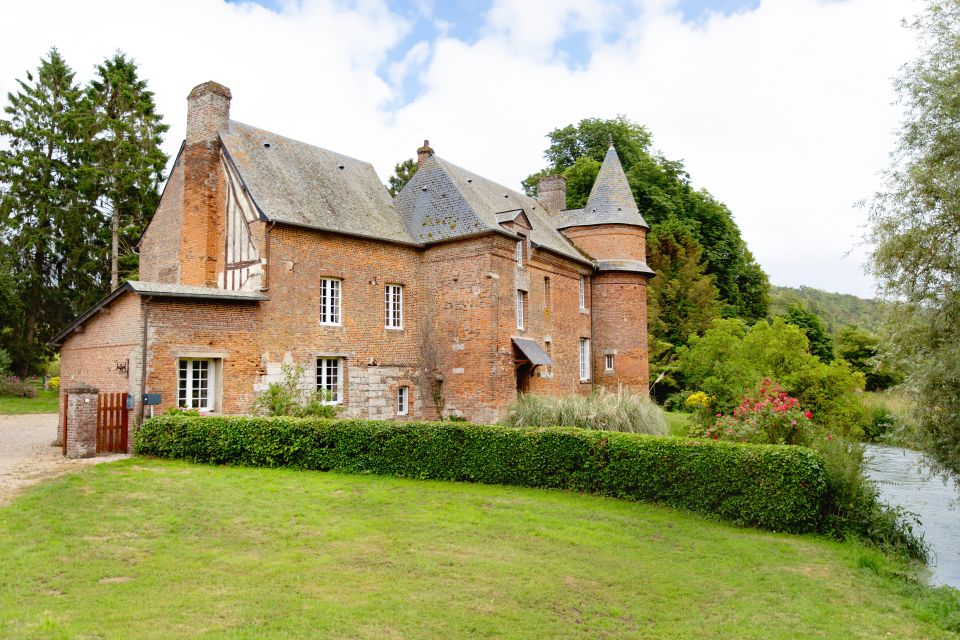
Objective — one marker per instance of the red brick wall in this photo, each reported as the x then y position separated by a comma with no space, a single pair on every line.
299,258
160,246
610,241
229,332
620,325
91,356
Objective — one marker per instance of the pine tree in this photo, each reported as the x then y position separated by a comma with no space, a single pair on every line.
126,155
682,299
402,173
45,222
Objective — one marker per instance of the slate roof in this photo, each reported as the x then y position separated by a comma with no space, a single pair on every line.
297,183
610,202
443,201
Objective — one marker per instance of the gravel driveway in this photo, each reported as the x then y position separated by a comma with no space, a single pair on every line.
26,456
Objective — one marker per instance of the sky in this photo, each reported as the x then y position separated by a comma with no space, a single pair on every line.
782,109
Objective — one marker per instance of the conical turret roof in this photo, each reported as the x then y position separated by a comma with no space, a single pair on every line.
611,199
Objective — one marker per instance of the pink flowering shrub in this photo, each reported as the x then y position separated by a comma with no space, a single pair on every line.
772,417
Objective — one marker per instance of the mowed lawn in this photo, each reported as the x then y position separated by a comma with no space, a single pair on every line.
45,402
155,549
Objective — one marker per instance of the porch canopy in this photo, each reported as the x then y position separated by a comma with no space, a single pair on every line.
532,351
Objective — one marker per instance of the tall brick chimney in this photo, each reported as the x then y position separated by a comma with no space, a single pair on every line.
204,203
424,152
552,192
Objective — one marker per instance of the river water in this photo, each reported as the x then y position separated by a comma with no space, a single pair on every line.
902,481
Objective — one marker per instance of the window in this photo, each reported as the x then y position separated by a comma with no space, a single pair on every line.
609,362
583,292
519,253
330,301
196,384
393,307
521,303
329,376
403,400
547,295
584,359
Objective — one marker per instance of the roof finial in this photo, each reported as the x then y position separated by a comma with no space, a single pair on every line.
610,137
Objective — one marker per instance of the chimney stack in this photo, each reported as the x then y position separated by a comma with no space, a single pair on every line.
202,254
552,193
208,111
424,152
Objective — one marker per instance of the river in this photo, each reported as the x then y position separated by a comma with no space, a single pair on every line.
902,482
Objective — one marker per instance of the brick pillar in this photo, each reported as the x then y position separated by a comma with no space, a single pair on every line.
81,421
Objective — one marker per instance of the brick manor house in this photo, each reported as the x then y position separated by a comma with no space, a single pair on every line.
449,299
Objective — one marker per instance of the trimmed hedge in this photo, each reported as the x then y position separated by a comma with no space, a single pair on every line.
774,487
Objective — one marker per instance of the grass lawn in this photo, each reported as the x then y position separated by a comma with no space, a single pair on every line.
156,549
45,402
677,422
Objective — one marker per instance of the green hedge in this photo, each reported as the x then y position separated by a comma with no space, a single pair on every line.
774,487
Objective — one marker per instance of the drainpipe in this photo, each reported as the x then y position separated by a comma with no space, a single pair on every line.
143,356
593,342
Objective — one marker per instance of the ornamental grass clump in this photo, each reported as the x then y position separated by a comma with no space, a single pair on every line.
623,411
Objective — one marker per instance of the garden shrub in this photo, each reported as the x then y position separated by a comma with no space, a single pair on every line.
5,362
54,383
731,359
286,398
17,388
774,487
625,411
770,417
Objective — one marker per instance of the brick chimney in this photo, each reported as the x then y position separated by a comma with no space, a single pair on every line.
204,203
552,193
424,152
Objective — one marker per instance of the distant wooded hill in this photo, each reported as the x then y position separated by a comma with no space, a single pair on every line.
836,309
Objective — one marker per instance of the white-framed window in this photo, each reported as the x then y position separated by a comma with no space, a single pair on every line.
521,303
393,306
584,359
403,400
583,292
196,384
330,301
330,379
519,253
608,362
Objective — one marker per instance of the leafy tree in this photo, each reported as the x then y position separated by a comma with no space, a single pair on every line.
821,344
126,156
731,359
682,299
915,229
663,191
402,173
862,350
45,223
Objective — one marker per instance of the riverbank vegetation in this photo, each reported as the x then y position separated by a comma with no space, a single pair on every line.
148,548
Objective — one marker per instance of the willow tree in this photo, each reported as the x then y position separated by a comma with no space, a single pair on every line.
915,231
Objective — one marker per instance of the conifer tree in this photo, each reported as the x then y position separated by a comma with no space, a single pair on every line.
45,222
127,159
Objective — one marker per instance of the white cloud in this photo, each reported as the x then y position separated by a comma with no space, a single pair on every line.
784,112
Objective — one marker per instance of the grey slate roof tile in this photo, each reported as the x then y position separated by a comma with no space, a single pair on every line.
298,183
610,202
443,202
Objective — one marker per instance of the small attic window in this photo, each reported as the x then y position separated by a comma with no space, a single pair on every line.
506,195
266,145
339,166
469,179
